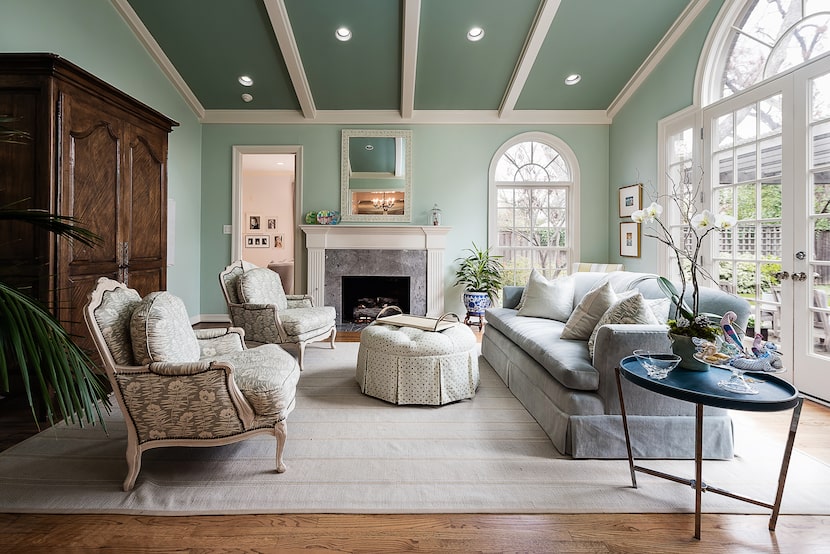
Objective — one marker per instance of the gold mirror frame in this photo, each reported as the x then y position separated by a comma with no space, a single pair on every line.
351,198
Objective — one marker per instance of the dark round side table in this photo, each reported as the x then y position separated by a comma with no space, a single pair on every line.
701,388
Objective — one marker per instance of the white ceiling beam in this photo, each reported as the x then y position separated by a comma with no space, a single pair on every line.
278,15
533,44
393,117
409,62
683,21
134,22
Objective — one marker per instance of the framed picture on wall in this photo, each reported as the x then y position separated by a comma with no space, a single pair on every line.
257,241
254,222
277,241
630,239
271,223
631,199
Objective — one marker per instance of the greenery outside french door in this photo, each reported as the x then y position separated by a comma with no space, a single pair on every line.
768,163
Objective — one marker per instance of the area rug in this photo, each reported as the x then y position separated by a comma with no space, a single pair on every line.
348,453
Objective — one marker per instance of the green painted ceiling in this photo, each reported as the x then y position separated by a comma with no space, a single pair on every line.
210,43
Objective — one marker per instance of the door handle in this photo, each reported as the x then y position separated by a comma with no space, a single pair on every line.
782,275
800,276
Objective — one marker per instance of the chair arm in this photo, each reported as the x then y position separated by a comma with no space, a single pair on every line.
181,369
261,322
220,341
615,342
299,301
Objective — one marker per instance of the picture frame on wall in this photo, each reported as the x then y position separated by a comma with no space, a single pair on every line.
257,241
630,239
254,222
271,223
278,241
631,199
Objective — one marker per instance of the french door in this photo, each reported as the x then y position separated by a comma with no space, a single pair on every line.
767,162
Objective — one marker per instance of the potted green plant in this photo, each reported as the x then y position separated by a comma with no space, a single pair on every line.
480,273
51,367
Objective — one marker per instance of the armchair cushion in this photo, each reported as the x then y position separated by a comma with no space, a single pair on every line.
299,321
262,286
161,331
113,319
267,376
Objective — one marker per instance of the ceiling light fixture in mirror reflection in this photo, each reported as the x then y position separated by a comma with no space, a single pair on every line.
376,175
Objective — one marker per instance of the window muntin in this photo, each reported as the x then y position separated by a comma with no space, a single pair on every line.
773,36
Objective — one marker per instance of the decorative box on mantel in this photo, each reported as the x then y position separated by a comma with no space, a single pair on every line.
394,238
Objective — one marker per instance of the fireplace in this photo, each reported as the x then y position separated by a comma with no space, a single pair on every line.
365,296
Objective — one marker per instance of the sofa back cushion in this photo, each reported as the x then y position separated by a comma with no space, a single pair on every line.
161,330
262,286
549,299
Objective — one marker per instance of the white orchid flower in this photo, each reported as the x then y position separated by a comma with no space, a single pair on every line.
723,221
638,216
703,220
653,211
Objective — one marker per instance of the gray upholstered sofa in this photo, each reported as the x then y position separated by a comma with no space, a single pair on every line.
574,396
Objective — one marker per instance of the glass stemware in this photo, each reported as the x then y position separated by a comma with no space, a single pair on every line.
737,382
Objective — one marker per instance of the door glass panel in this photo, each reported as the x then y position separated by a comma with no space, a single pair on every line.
723,138
723,161
746,124
770,120
771,200
771,157
746,163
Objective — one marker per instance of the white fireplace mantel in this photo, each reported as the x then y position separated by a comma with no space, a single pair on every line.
320,238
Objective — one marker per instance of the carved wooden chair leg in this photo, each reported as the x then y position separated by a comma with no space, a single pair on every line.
133,465
281,432
300,354
333,334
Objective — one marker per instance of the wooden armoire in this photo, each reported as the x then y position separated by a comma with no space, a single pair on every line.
95,154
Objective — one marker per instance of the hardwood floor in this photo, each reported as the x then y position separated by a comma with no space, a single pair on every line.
617,533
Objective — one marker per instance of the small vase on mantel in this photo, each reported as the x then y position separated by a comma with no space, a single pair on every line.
685,348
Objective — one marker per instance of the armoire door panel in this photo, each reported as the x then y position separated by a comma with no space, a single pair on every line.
148,280
148,241
71,306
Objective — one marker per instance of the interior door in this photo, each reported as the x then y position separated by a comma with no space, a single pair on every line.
768,163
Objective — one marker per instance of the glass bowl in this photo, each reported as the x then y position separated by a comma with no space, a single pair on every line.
657,364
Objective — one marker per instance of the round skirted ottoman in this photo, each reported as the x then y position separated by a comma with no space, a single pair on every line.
405,365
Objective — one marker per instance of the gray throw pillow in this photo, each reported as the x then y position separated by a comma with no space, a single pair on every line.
548,299
629,310
262,286
585,316
161,331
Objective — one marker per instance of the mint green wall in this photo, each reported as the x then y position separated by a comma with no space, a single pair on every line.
92,35
450,168
633,136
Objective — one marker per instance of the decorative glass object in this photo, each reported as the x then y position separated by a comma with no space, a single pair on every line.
657,364
435,214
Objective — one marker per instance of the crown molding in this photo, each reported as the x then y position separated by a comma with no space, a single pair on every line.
419,117
140,31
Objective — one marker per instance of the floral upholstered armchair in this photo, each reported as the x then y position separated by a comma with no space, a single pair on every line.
180,387
257,303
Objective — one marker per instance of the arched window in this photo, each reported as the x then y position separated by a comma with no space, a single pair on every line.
764,38
534,182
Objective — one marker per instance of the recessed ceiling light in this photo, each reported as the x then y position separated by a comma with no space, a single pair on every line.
247,97
573,79
245,81
343,34
475,34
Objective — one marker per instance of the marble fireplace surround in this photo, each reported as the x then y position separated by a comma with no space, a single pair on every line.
390,247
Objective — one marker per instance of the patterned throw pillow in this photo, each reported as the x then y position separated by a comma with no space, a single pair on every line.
592,307
629,310
548,299
161,331
262,286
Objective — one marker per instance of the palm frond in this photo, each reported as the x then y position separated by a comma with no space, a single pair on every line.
64,226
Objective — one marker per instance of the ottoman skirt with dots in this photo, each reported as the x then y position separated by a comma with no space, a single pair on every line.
405,365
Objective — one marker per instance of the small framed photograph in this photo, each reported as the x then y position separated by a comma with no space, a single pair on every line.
271,223
254,222
630,239
257,241
277,241
631,199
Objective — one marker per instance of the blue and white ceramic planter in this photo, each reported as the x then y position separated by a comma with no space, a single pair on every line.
476,302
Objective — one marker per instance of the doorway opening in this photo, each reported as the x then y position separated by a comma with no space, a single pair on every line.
266,206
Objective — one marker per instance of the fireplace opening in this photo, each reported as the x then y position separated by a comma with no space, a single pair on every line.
365,296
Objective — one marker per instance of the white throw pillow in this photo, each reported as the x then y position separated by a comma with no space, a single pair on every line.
586,315
629,310
660,308
548,299
161,332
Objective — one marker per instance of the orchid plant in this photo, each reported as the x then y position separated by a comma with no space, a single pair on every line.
695,228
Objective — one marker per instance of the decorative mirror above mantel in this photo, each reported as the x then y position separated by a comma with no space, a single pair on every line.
376,175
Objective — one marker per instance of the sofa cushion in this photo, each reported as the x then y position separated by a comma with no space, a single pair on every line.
628,310
548,299
567,361
161,332
587,313
267,376
262,286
